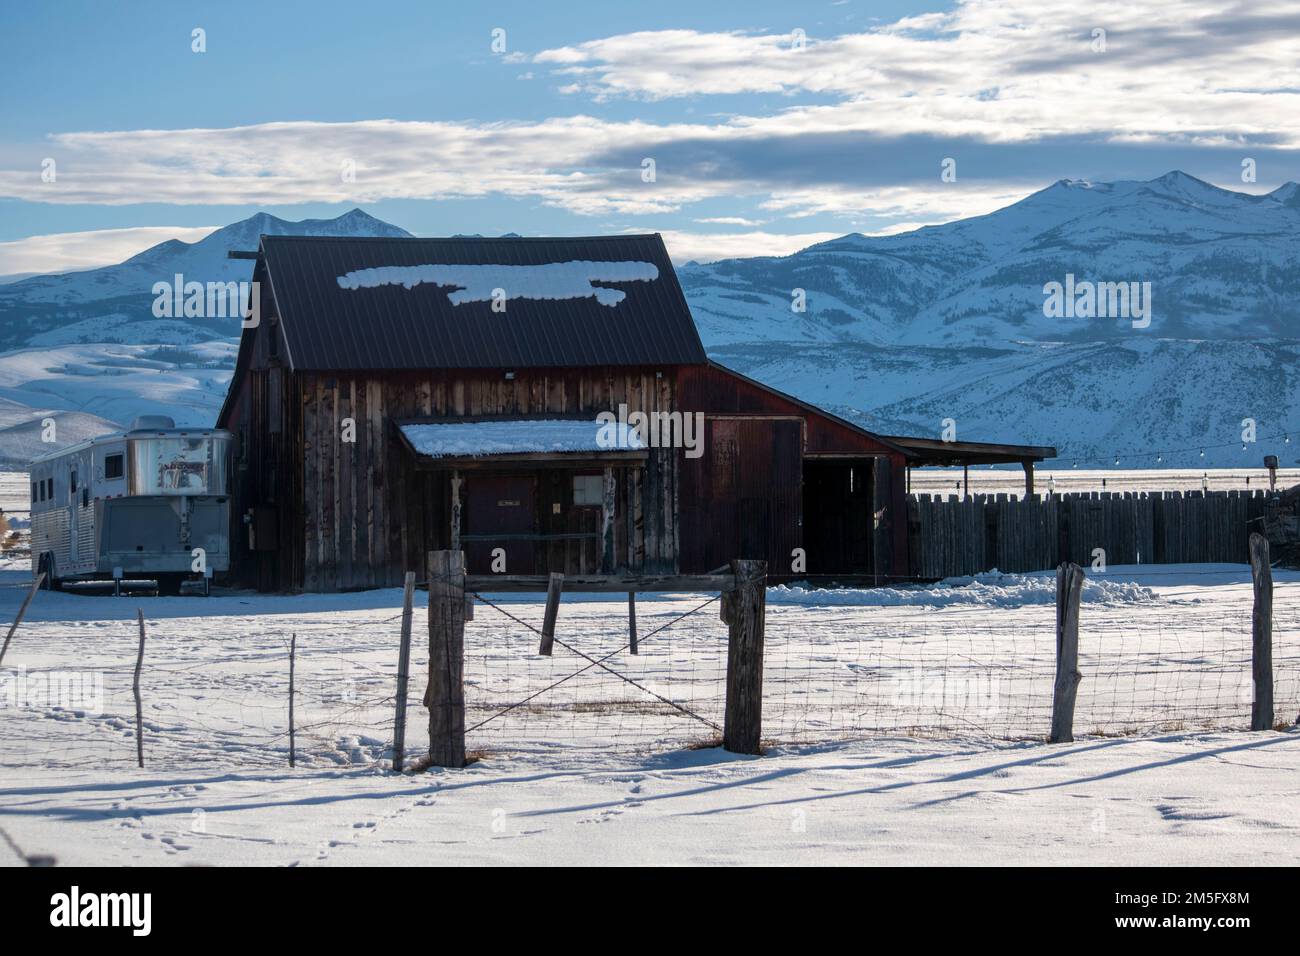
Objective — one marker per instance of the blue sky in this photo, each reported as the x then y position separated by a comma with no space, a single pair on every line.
764,138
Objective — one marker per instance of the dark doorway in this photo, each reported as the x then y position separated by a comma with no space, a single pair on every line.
500,512
837,512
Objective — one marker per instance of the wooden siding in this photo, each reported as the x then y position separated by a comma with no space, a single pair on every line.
369,514
719,393
743,497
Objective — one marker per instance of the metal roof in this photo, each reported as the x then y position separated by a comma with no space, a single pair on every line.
934,451
381,303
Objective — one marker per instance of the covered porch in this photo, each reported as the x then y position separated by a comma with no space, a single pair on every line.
532,496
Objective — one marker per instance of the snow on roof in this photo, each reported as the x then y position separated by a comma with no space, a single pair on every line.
574,279
516,437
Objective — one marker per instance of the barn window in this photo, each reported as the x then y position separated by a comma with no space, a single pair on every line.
113,467
588,490
35,492
49,489
72,482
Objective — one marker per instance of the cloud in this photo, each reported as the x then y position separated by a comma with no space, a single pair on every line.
729,221
1001,70
70,251
1009,88
709,247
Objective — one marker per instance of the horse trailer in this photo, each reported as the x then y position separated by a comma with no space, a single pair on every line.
150,503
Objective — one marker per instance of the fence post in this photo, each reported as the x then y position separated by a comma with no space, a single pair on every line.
446,658
1069,589
36,585
403,671
1261,632
293,657
745,610
553,590
135,690
631,621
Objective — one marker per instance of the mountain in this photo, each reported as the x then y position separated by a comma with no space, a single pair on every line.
903,331
900,332
114,304
85,348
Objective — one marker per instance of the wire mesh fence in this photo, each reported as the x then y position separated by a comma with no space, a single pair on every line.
220,697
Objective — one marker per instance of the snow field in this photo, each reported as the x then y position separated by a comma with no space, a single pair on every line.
1161,650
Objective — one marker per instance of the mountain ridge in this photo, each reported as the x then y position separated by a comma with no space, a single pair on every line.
900,331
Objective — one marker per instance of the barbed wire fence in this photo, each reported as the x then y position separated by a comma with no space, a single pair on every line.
220,698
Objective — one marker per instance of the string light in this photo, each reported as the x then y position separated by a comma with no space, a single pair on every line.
1200,450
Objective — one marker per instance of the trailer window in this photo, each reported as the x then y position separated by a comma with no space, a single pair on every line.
113,467
35,492
49,488
188,465
72,483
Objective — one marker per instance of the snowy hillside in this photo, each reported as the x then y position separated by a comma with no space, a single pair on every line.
903,331
86,349
71,308
900,331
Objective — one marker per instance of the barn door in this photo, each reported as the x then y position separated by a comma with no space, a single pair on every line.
500,512
753,501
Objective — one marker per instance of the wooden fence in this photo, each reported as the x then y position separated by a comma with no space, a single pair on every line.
951,535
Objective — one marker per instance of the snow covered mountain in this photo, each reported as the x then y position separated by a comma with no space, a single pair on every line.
113,304
901,332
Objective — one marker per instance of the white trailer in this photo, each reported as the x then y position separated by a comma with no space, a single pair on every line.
152,502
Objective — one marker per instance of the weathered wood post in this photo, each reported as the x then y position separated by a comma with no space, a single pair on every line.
744,610
553,590
607,523
1069,589
36,586
293,658
446,695
403,671
1261,632
456,481
631,621
135,690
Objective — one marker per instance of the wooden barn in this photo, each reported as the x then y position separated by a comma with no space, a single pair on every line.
542,404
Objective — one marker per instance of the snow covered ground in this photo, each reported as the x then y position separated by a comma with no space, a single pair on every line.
904,730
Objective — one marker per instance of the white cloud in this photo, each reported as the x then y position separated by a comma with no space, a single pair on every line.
70,251
730,221
1005,72
1002,70
709,247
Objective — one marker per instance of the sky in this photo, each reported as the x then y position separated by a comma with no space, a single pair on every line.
752,128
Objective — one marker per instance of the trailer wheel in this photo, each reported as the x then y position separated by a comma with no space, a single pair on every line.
46,565
169,585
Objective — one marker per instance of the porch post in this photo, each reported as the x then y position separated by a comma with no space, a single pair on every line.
1028,465
607,524
454,544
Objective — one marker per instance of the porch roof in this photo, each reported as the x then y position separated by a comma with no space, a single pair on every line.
523,439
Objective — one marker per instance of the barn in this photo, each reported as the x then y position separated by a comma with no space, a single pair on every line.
544,404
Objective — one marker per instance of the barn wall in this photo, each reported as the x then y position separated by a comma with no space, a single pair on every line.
775,468
368,514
